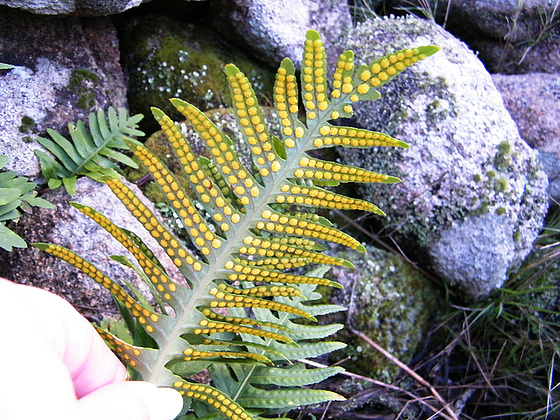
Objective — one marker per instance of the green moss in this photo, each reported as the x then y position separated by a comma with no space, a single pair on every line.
391,303
82,82
491,174
171,59
501,184
477,178
501,211
503,158
482,209
505,147
27,124
86,100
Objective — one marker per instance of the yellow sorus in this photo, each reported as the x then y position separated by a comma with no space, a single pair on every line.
362,89
365,75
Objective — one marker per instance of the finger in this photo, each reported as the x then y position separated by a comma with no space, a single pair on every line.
32,378
88,359
70,336
130,401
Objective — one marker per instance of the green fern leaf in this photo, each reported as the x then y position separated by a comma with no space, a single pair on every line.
237,312
92,152
16,195
293,376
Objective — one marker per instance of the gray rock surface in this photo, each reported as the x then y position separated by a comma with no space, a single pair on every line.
467,173
533,101
65,68
521,57
67,227
498,19
74,7
511,36
275,29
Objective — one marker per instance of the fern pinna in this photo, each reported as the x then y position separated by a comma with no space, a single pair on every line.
92,152
236,311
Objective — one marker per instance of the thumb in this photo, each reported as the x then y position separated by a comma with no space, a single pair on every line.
133,400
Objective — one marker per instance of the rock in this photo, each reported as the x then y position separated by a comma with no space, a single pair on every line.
388,301
523,57
67,227
467,173
65,68
73,7
165,59
533,101
504,32
275,29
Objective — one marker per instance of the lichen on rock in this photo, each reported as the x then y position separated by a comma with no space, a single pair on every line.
466,163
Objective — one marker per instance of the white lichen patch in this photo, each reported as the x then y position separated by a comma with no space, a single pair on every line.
32,95
466,159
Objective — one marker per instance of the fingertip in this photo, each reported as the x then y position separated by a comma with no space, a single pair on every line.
131,401
166,405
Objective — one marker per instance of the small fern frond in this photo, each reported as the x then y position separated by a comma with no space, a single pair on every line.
92,152
238,311
17,194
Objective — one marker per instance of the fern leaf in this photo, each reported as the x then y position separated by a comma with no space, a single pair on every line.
307,350
294,376
16,195
213,397
89,149
282,398
237,310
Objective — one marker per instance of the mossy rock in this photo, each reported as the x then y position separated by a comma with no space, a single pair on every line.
164,59
473,193
388,301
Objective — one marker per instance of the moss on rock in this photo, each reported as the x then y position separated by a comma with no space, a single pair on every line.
388,301
165,59
83,83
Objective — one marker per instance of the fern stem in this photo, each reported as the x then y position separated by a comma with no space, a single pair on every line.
253,367
244,382
94,154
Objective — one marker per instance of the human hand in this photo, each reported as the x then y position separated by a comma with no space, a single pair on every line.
53,365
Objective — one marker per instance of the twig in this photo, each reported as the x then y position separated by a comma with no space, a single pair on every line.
383,244
375,382
414,375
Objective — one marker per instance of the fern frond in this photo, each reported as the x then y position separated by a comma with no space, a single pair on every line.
16,195
252,238
92,152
